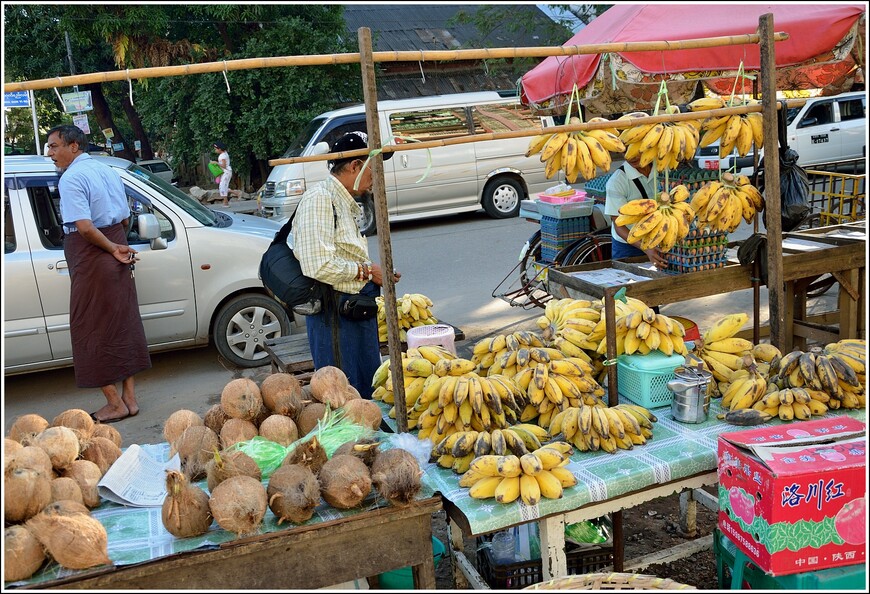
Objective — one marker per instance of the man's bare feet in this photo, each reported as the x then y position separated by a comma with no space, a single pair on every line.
110,414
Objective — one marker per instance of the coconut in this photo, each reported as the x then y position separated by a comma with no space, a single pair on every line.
310,454
344,481
78,420
351,393
26,492
365,449
282,394
363,412
77,541
60,443
215,418
195,447
109,432
178,422
396,476
101,451
185,510
329,386
230,463
65,507
10,446
238,504
264,414
32,457
280,429
293,493
241,399
64,487
87,474
23,554
236,430
26,427
307,419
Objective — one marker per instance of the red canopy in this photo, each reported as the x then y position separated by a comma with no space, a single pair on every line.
821,52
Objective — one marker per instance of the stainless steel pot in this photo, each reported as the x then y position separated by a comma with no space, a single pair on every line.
691,389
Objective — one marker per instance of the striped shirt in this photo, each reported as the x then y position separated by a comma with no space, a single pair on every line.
326,238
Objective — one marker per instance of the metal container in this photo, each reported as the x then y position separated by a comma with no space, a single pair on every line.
691,389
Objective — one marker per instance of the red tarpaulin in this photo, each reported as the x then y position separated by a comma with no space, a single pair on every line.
825,50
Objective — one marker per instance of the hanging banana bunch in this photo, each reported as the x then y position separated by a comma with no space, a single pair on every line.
721,204
658,223
738,131
668,142
578,153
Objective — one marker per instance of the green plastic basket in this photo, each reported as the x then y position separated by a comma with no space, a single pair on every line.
403,579
643,379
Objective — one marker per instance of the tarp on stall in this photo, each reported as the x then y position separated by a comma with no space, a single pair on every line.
825,50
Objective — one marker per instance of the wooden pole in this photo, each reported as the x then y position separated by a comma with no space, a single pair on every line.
382,222
776,289
410,56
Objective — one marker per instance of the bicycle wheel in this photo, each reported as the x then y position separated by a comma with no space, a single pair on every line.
531,275
595,248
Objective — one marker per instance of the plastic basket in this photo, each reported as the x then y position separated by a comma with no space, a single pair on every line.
611,581
643,379
556,234
403,579
596,186
515,576
566,210
432,334
574,196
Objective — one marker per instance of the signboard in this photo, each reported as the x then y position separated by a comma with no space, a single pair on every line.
16,99
75,102
81,122
118,146
137,144
108,133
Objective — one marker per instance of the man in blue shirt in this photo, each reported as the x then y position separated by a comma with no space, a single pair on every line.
108,339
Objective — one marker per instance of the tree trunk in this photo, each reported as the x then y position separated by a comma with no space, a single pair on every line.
107,122
136,123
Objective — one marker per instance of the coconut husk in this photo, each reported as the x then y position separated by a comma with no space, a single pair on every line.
32,457
293,493
307,419
366,413
215,418
239,504
87,474
101,451
396,476
26,493
26,427
23,554
77,419
195,447
185,511
61,444
231,463
283,394
241,399
329,386
309,453
65,507
77,541
109,432
344,481
236,430
178,422
64,487
365,449
280,429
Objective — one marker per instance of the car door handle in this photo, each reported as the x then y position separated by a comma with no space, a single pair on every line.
405,161
834,129
62,265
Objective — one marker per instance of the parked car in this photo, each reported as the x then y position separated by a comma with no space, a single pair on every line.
494,175
160,168
196,278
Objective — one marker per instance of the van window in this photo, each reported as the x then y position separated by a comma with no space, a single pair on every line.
820,113
340,130
504,118
8,230
852,109
433,124
45,203
140,204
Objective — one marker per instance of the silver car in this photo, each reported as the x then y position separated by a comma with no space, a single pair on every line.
196,277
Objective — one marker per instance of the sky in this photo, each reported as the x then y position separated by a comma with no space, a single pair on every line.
557,15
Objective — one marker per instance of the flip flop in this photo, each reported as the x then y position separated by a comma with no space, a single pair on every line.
106,421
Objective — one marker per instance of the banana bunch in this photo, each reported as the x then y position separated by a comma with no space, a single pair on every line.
601,427
670,143
793,403
732,131
645,331
838,370
720,350
721,204
499,354
518,440
581,316
746,387
413,309
765,352
537,474
658,223
578,153
558,384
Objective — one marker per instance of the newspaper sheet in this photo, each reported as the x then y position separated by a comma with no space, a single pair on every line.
136,479
609,277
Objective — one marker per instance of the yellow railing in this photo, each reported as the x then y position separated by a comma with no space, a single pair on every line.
837,197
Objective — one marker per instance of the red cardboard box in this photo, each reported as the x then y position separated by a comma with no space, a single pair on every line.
793,497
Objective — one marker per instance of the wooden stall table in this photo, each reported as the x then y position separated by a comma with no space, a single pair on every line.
292,354
333,547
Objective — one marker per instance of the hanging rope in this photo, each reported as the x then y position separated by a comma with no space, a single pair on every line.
226,80
130,85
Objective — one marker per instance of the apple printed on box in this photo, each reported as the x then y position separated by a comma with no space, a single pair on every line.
794,500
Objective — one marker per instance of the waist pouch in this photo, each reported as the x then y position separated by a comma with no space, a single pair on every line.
359,307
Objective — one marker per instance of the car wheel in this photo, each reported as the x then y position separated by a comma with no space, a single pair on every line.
502,197
244,324
366,221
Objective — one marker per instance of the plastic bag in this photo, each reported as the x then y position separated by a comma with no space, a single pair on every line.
794,190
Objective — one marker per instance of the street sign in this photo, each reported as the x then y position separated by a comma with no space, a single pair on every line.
16,99
81,122
108,133
137,144
118,146
75,102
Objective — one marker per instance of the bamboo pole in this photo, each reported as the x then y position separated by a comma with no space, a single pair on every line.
382,57
618,124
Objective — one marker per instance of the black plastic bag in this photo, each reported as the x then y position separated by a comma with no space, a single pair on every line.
794,189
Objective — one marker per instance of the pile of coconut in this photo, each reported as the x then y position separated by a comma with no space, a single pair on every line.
281,410
51,472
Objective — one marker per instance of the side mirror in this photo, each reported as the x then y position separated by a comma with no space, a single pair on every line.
321,148
159,243
148,225
809,122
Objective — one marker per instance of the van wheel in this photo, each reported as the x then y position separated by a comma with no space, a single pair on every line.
244,324
501,198
366,221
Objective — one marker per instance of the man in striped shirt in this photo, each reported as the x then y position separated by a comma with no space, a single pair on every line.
331,249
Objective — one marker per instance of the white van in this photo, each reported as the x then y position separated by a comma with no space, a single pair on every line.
494,175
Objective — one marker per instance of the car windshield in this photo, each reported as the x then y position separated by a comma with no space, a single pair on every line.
300,142
204,215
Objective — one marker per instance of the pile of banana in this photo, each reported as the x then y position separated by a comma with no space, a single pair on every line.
558,384
838,371
670,143
578,316
600,427
720,350
499,354
413,309
740,130
646,331
578,153
658,223
519,439
540,473
720,205
746,387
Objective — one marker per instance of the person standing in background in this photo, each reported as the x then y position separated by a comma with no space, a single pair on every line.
223,162
106,331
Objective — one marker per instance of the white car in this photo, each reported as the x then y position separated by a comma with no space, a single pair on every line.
197,275
160,168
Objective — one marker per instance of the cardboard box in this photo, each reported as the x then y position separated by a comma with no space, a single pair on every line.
793,497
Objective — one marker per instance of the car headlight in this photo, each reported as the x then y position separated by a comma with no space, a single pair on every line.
293,187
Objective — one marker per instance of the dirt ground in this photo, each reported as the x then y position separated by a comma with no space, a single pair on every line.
647,529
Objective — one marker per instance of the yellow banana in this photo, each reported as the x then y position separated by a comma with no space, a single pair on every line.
553,146
549,484
725,327
566,477
600,156
485,487
537,144
508,489
531,464
530,491
608,141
